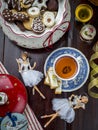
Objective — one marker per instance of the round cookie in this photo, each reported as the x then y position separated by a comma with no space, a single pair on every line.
48,19
28,24
38,26
33,12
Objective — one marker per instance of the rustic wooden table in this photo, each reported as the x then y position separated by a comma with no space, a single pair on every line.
85,119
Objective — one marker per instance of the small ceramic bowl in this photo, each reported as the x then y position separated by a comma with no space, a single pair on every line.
83,13
31,40
87,33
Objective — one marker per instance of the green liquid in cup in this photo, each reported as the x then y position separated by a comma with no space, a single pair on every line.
84,14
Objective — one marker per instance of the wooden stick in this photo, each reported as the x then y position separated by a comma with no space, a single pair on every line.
36,88
33,91
33,66
46,116
52,118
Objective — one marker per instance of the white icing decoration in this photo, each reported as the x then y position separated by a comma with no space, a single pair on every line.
33,11
40,5
49,19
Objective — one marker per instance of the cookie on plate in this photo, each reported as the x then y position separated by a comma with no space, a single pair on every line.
19,16
33,12
28,24
38,26
49,19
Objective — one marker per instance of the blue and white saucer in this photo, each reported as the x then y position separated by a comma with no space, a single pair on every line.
81,78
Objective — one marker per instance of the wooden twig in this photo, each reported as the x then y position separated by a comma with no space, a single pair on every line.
46,116
36,88
52,118
33,91
33,66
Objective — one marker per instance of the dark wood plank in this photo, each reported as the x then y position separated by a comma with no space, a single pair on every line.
39,106
84,119
2,44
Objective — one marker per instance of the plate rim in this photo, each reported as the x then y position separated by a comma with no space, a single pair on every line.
32,44
72,48
35,35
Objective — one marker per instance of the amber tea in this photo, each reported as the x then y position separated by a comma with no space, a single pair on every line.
66,67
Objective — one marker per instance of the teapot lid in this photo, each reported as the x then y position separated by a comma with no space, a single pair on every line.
14,97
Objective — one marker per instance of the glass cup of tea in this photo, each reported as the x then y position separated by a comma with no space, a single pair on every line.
83,13
66,67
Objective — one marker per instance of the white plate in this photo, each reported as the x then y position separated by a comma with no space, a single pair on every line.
30,40
81,78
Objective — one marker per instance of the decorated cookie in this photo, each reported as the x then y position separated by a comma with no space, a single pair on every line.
28,1
28,24
11,4
48,19
14,4
19,4
26,6
36,15
22,12
40,3
7,15
33,12
38,26
19,16
87,33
